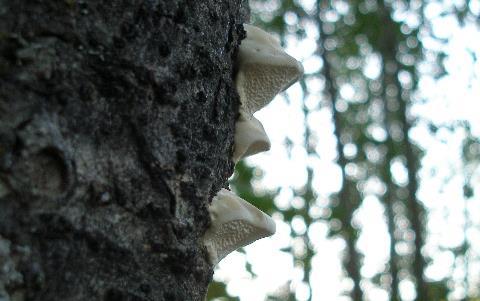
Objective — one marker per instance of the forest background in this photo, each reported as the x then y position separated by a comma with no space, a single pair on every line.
373,174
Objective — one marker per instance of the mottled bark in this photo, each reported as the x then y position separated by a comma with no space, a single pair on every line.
116,129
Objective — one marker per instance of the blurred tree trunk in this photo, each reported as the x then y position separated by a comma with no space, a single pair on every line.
389,198
392,68
116,129
348,197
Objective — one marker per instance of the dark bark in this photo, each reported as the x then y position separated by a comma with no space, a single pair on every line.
116,129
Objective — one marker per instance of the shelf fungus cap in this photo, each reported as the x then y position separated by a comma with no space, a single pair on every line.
235,224
250,138
264,69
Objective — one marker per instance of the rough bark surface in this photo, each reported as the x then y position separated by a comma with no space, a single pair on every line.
116,129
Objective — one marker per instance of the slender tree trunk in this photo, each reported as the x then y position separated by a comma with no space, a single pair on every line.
348,196
116,129
415,209
389,199
416,212
393,262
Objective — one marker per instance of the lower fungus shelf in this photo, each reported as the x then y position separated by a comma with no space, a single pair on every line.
235,224
250,138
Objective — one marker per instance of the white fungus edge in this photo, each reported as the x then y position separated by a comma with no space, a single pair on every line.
235,224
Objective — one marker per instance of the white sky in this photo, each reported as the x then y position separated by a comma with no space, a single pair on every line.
454,97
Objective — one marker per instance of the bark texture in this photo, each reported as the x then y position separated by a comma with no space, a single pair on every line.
116,129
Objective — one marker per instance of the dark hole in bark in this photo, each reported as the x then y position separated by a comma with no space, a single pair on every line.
44,173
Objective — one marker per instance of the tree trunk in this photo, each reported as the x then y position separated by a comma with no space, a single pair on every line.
410,151
116,129
349,197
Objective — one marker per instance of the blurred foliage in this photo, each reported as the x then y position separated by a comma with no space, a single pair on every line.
217,291
376,123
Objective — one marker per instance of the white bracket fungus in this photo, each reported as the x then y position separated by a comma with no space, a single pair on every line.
250,138
264,70
235,224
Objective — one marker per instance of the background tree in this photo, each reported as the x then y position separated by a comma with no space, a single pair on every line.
116,129
366,72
